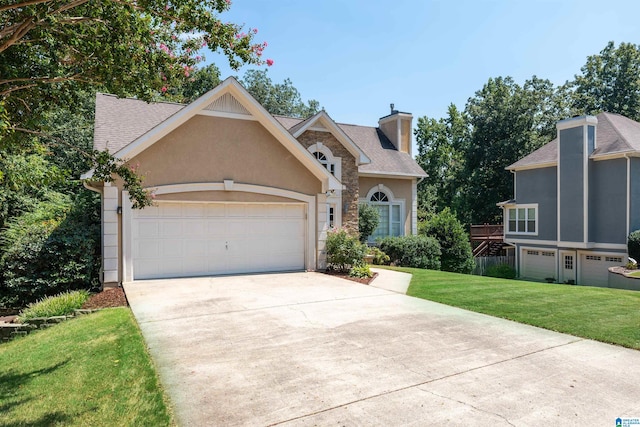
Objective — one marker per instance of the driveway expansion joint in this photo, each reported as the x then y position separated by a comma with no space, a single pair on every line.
269,307
431,381
469,405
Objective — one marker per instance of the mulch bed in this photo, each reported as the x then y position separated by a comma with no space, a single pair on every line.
364,280
112,297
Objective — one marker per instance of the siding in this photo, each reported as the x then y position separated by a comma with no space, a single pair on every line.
539,186
571,158
634,220
608,201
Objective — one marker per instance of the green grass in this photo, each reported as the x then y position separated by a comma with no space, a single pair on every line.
90,371
607,315
635,274
58,305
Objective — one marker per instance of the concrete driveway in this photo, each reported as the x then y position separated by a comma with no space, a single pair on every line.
309,349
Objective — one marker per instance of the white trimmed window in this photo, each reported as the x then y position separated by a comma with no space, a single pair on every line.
324,155
522,219
391,213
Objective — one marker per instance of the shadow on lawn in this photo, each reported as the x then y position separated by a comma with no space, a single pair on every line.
10,384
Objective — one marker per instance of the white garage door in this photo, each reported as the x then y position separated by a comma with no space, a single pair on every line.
595,268
538,264
197,239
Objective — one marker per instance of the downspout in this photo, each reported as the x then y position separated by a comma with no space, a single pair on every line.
626,156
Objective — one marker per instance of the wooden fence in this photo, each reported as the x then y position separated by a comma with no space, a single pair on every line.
482,263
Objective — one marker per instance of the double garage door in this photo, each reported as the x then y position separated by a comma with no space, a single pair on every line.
198,239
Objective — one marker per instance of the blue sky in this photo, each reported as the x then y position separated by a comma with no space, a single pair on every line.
356,57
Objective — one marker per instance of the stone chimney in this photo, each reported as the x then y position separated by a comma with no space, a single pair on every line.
397,127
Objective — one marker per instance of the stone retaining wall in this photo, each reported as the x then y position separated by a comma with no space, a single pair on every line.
9,331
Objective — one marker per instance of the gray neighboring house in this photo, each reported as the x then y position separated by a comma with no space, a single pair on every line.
576,200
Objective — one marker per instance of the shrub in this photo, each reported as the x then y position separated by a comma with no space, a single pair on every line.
633,245
53,249
58,305
362,271
457,255
379,257
344,251
501,271
368,220
412,251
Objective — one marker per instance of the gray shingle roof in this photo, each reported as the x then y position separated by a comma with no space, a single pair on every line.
120,121
385,159
614,134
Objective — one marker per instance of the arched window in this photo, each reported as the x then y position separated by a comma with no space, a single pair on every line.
390,211
324,155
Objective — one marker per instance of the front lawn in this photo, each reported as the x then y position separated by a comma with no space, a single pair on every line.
89,371
608,315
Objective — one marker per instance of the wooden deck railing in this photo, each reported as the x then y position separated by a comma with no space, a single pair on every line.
486,239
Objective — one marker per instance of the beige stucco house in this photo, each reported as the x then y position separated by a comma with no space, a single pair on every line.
238,190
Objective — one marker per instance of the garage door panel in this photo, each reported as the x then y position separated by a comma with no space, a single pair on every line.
595,268
190,239
538,264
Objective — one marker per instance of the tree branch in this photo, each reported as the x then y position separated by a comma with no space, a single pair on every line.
23,4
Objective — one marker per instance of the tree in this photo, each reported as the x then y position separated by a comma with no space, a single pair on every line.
280,98
439,154
454,243
508,121
368,220
610,81
53,50
201,81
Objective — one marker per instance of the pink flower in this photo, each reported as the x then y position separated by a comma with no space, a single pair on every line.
269,62
164,89
166,7
255,31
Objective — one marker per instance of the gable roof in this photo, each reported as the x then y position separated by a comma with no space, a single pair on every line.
322,118
384,158
616,135
228,99
125,127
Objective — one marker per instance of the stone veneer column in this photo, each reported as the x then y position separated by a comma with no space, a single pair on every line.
350,178
109,235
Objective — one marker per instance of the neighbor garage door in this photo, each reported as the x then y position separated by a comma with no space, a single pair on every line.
538,264
197,239
594,269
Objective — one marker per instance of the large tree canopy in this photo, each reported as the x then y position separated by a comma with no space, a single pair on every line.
51,48
610,81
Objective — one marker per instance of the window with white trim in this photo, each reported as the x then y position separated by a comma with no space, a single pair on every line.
522,219
331,216
322,158
390,215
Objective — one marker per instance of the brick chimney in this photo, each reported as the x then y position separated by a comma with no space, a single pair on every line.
397,127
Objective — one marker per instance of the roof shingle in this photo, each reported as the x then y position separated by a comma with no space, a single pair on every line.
614,134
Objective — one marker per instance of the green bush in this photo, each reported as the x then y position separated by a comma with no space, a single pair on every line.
361,271
53,249
633,245
501,271
344,251
457,255
412,251
58,305
379,257
368,220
